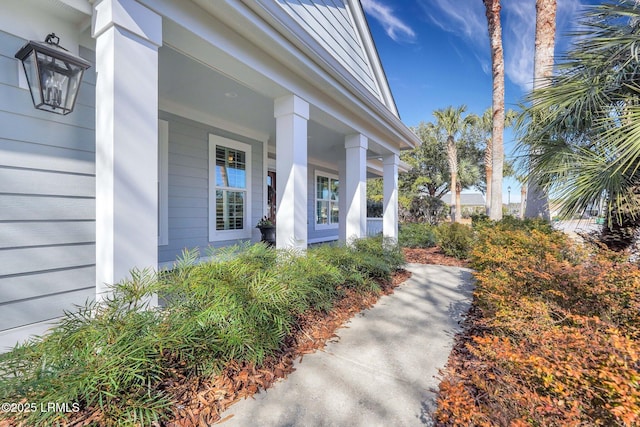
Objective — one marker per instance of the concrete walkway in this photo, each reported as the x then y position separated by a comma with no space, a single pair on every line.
381,371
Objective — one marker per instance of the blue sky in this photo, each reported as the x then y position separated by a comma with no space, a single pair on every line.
436,53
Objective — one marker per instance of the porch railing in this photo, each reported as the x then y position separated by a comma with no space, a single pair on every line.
374,226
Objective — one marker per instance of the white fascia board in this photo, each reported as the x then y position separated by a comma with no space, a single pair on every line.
404,166
375,166
362,30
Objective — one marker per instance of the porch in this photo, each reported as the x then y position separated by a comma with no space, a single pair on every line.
228,119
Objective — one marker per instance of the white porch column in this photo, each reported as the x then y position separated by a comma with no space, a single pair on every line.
390,194
292,114
356,186
127,39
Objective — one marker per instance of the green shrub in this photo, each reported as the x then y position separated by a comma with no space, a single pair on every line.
479,220
554,337
417,235
455,239
115,358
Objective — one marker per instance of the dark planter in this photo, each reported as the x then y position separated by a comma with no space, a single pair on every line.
268,234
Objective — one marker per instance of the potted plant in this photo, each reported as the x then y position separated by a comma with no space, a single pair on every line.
267,230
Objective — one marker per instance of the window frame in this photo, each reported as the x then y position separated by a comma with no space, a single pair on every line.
221,235
331,177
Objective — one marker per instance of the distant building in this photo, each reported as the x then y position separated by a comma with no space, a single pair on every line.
470,203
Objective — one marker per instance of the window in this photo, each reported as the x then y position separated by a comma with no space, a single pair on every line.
229,184
327,211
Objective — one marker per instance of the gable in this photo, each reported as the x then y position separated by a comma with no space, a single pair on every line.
340,28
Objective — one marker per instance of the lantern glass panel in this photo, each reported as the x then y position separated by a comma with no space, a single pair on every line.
59,82
31,71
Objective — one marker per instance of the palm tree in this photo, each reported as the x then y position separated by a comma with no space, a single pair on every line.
451,121
485,122
497,116
537,200
583,130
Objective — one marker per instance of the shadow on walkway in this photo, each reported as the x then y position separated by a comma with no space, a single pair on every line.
381,371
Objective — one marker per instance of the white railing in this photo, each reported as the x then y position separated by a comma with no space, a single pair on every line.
374,226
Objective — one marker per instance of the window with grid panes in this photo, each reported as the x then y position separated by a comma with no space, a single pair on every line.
327,193
231,184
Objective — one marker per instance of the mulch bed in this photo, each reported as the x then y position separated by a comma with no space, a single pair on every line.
201,401
432,255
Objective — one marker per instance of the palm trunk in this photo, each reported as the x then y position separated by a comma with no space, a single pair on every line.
488,168
497,134
537,200
523,200
452,158
458,203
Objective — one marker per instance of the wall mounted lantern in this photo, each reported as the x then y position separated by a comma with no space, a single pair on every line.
53,74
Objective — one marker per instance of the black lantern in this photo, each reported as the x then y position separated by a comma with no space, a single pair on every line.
53,74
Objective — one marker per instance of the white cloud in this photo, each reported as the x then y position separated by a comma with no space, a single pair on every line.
464,18
394,27
467,20
518,41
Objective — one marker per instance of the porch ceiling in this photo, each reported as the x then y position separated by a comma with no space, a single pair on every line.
190,84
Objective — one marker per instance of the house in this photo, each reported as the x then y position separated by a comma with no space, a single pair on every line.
470,203
196,119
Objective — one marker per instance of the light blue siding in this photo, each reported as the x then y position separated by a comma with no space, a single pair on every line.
189,186
47,199
330,23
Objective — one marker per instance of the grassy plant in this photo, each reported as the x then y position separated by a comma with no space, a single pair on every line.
114,358
103,356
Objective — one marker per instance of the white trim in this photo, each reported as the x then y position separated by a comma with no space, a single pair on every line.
163,182
209,119
330,176
245,233
373,60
